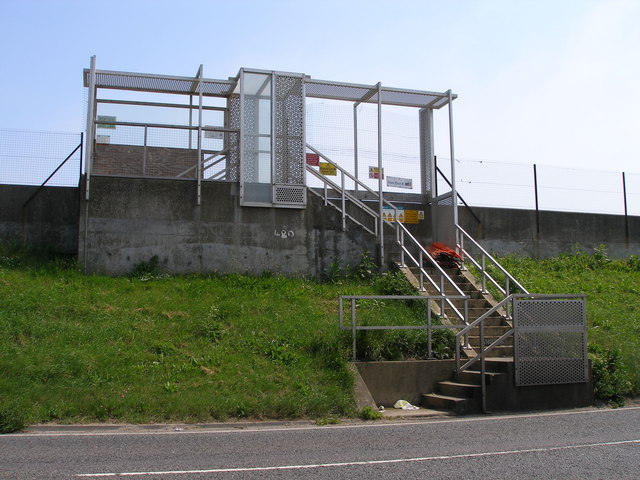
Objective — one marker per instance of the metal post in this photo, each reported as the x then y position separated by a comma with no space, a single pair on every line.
380,200
465,320
355,144
199,164
144,152
435,165
441,296
91,123
454,192
484,275
81,147
626,213
353,326
421,265
483,369
344,206
429,350
190,119
535,189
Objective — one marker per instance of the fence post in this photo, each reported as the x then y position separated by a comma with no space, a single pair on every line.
626,213
535,188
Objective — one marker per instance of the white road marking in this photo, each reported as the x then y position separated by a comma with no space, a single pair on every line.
379,424
359,463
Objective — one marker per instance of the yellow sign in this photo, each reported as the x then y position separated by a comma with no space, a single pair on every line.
328,169
411,216
420,214
373,172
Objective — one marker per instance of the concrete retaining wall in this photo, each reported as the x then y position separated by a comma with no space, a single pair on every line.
131,220
514,231
49,221
389,382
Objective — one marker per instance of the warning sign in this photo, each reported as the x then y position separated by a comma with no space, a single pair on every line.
388,214
373,172
313,159
328,169
411,216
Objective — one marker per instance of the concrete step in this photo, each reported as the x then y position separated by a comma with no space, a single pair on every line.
457,389
456,405
473,377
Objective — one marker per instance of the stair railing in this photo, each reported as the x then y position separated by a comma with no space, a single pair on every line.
345,195
481,356
510,285
403,236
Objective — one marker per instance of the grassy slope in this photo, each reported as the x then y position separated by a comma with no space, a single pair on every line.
86,348
83,348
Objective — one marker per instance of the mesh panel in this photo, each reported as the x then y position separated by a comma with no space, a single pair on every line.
550,342
289,194
289,130
233,158
28,158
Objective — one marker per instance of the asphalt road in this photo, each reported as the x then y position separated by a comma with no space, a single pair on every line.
578,444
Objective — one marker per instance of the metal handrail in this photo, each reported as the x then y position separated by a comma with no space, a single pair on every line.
429,327
401,232
509,280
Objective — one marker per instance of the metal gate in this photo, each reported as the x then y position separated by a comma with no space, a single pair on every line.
550,340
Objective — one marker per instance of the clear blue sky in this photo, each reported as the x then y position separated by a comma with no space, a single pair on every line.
551,82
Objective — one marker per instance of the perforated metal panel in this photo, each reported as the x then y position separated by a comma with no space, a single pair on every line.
289,194
550,342
289,163
233,157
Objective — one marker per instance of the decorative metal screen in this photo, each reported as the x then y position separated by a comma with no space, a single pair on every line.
233,141
289,162
550,341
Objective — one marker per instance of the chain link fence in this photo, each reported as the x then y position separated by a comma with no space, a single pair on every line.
30,157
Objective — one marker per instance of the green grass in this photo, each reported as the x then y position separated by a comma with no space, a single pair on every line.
77,348
613,297
159,348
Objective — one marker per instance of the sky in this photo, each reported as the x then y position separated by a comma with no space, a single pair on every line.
552,82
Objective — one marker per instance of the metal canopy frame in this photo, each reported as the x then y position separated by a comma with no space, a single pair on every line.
352,92
203,87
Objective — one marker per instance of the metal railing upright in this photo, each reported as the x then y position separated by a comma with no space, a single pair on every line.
407,242
510,285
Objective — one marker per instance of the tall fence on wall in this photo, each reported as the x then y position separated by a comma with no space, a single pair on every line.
30,157
543,187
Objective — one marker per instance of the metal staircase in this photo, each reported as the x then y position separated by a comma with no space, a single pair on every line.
479,299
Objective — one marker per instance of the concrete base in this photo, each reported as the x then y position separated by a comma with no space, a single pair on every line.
389,382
